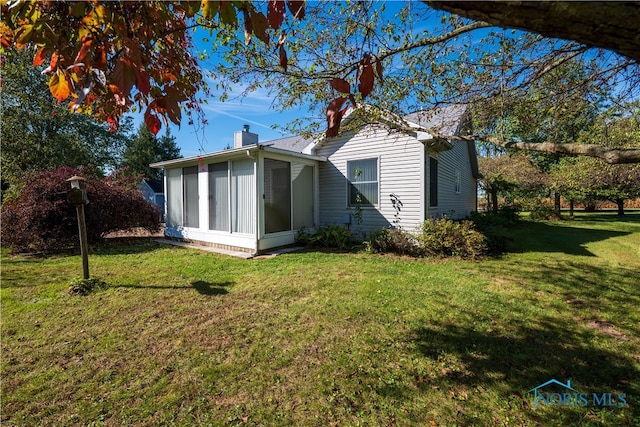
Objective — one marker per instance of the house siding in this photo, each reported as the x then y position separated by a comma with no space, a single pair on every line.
399,165
452,204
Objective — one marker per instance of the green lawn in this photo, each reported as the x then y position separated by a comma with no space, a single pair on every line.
183,337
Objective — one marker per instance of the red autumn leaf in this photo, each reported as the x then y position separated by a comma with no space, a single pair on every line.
341,85
172,107
83,51
296,8
54,61
158,105
334,116
52,64
142,81
100,58
117,95
6,36
283,58
59,86
124,76
152,121
365,82
113,123
260,25
40,57
275,13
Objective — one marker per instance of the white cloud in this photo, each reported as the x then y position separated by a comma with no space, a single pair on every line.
225,106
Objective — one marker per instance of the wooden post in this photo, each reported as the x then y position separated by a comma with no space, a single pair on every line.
84,250
78,197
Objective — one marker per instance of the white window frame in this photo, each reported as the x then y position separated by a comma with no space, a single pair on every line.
349,183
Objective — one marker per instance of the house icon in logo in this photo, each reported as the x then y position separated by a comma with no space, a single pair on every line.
538,394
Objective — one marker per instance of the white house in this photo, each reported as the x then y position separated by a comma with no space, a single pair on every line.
153,191
256,196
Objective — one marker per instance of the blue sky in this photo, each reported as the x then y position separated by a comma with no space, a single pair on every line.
225,118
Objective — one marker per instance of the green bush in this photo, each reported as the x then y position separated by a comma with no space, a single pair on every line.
446,237
330,236
393,240
495,227
436,237
545,213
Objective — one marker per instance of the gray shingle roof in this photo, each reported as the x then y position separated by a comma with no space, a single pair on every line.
444,120
291,143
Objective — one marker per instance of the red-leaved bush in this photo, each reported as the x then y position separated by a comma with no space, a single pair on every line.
42,220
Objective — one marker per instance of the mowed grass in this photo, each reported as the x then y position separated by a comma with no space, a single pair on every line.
183,337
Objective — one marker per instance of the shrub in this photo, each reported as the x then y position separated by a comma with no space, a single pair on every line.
331,236
545,213
86,286
41,219
445,237
393,240
495,227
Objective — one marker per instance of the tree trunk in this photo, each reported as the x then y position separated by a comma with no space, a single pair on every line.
556,202
494,201
620,203
571,208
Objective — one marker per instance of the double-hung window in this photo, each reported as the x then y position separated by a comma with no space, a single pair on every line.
363,182
433,182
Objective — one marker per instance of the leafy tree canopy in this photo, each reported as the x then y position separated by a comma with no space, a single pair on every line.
588,178
108,57
145,148
38,133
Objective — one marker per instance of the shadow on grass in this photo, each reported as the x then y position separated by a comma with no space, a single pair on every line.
208,288
515,361
126,245
543,237
588,290
203,288
632,216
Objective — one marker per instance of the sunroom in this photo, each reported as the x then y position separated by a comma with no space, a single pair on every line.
250,198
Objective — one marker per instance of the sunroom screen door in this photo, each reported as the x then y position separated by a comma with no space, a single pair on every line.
277,196
218,196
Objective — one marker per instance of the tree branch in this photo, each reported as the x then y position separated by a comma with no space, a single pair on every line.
612,156
608,25
435,40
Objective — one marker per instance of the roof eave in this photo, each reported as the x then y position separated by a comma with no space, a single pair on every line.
232,152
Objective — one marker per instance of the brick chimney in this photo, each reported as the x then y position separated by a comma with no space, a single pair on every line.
244,137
